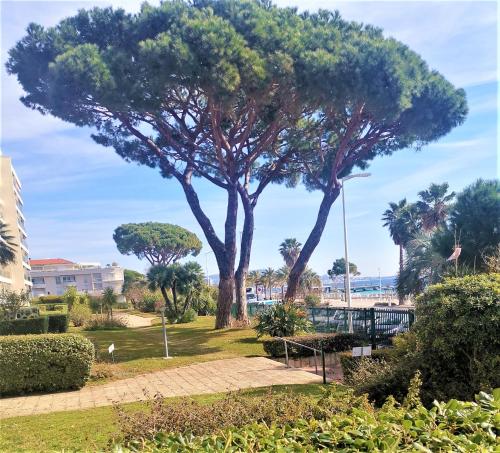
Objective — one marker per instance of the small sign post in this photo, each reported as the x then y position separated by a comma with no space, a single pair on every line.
362,351
111,350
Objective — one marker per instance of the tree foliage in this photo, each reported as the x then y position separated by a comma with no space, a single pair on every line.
159,243
179,284
339,268
237,92
132,278
290,251
7,246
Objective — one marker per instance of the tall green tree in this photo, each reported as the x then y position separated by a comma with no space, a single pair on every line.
158,243
282,278
254,278
473,224
290,251
236,92
132,278
7,246
178,283
339,268
109,300
403,223
309,280
269,278
434,205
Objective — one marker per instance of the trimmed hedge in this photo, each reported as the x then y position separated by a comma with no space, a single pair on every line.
25,326
330,342
58,323
51,299
35,363
60,308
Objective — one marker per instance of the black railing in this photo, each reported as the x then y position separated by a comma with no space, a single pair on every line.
315,351
377,324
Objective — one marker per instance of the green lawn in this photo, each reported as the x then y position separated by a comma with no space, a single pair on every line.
141,350
88,430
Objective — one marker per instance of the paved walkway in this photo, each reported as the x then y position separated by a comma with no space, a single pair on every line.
208,377
134,320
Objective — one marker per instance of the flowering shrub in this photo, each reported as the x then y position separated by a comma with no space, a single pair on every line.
282,320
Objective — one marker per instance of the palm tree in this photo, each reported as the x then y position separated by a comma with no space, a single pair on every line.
269,278
7,246
290,250
282,277
401,219
434,205
108,300
308,280
423,266
254,279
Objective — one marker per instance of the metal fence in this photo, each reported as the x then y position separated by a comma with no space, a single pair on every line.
378,324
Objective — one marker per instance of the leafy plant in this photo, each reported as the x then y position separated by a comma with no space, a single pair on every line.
7,246
102,323
312,300
80,314
282,320
339,421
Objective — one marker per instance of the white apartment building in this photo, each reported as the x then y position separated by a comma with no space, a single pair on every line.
14,276
55,275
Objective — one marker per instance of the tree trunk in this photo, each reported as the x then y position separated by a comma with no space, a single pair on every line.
225,252
244,262
311,244
225,301
401,265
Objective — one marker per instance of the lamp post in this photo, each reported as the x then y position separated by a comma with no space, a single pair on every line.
164,328
206,266
348,277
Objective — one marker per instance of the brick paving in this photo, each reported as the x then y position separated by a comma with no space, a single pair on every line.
208,377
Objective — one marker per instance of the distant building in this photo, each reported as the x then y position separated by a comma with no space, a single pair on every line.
14,276
55,275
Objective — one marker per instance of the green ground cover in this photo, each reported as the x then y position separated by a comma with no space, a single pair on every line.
91,429
140,350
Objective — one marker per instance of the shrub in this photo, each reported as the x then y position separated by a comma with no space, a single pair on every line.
96,304
58,323
80,314
205,301
44,363
282,320
148,302
330,342
458,325
190,315
312,300
104,323
49,299
190,416
103,370
25,326
348,424
62,308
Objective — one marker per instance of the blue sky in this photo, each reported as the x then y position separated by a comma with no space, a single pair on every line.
76,192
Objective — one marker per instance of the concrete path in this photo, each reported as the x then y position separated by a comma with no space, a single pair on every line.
134,320
208,377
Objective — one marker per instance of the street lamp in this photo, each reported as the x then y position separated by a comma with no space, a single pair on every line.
348,278
206,266
164,328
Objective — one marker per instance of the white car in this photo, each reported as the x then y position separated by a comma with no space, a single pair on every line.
251,298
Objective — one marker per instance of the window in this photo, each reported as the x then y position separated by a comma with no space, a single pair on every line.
68,279
97,277
58,280
38,280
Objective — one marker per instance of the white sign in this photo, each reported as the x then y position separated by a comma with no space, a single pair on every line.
361,351
111,348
